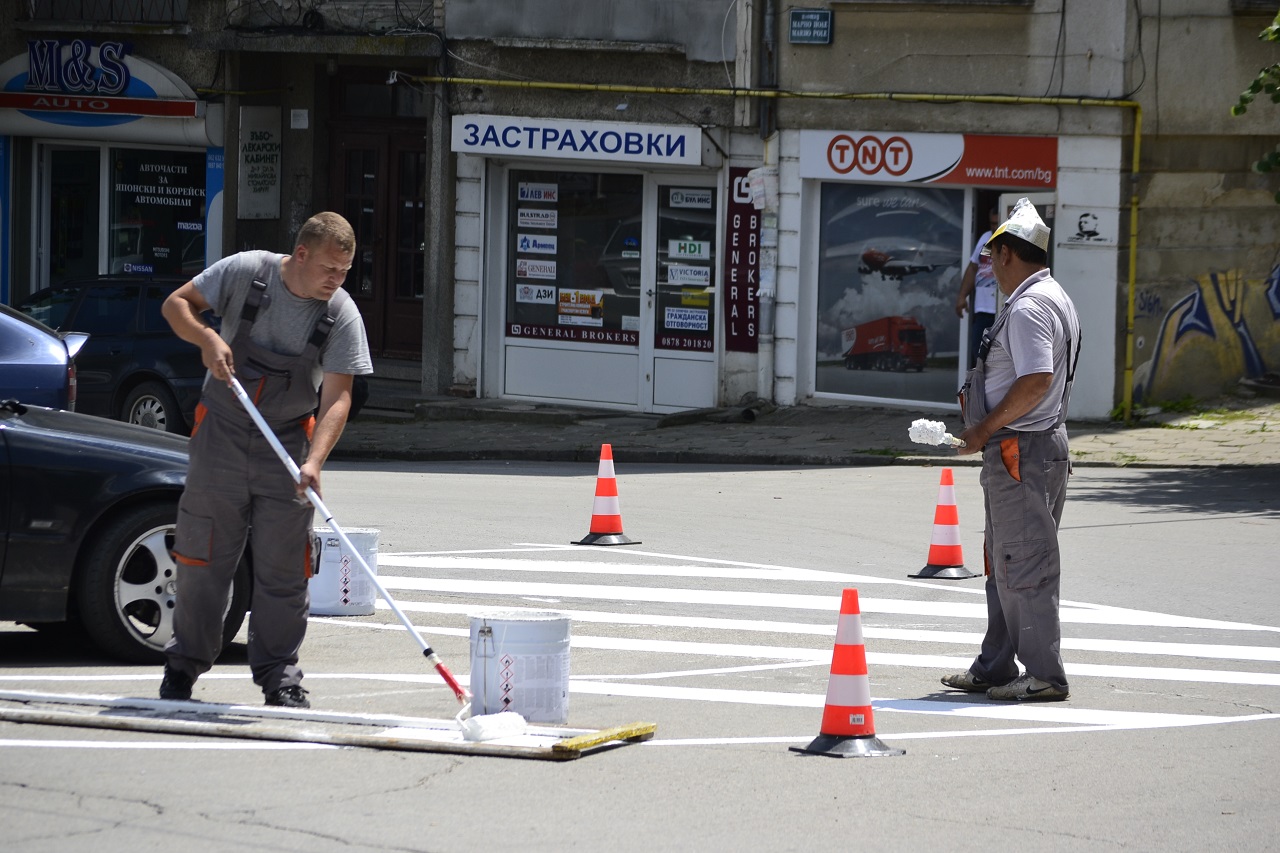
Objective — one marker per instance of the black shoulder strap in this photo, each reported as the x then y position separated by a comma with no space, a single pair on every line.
325,324
257,292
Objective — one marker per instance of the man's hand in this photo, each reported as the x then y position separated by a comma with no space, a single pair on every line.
308,475
216,355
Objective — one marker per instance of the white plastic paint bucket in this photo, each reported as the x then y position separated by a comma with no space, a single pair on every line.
520,662
339,587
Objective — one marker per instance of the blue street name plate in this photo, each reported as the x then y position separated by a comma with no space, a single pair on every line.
810,26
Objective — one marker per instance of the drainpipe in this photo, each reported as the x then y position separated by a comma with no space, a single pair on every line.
904,97
768,65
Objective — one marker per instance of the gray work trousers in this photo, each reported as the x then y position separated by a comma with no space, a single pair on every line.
1024,485
238,492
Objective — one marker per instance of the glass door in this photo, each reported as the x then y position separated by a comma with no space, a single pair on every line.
681,253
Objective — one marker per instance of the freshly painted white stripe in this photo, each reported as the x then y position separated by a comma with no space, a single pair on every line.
795,601
897,736
1032,712
166,745
1074,669
1196,650
593,567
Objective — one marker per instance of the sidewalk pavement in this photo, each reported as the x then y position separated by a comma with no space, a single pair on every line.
1231,432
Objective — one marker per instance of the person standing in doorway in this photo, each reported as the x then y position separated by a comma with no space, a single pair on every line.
979,283
1014,405
295,340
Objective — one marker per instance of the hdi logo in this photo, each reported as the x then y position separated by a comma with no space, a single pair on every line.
869,155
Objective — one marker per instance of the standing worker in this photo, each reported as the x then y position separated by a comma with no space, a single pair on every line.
1014,406
288,330
979,281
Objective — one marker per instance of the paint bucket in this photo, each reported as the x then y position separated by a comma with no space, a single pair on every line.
520,662
339,587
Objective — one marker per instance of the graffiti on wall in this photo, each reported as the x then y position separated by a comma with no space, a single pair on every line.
1226,329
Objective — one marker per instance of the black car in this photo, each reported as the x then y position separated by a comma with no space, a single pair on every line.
87,512
133,368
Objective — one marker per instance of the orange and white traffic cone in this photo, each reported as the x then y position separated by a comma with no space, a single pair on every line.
848,728
946,558
606,517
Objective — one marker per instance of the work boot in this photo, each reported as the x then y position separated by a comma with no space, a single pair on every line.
176,684
969,682
292,696
1028,688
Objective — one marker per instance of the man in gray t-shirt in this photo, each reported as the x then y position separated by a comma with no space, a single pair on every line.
1015,408
295,340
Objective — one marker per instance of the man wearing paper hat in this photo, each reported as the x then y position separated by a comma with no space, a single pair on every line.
1014,403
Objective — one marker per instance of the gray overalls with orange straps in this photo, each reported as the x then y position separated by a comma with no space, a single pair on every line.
237,490
1024,486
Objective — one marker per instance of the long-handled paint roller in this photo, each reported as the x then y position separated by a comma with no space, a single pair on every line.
932,432
482,727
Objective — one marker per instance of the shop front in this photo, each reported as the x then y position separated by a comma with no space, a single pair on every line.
891,223
112,165
601,276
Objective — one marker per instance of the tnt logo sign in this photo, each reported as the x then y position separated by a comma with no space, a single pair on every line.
869,155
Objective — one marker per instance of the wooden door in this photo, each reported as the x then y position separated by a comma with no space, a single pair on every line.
379,185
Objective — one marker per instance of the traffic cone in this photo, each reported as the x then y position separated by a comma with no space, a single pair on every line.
606,518
848,729
946,558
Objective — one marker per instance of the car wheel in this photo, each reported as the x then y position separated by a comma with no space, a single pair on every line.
126,587
153,405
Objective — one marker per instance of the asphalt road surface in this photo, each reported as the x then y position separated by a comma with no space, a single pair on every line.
718,626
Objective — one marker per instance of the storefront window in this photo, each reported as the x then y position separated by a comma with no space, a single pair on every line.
574,273
686,269
890,260
157,212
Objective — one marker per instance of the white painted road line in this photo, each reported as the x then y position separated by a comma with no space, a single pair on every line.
1266,654
829,603
796,653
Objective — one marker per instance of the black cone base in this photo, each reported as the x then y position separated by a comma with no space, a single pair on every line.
848,747
944,572
606,539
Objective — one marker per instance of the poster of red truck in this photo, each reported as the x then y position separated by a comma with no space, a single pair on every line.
889,343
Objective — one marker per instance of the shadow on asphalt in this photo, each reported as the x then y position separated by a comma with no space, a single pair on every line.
1248,491
63,646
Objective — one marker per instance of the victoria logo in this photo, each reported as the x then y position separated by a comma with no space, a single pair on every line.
869,155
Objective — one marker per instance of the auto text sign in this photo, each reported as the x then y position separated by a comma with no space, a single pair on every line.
622,142
1029,162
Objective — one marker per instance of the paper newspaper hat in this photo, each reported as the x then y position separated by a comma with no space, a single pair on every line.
1023,223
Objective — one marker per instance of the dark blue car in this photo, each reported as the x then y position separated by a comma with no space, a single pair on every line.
37,364
134,368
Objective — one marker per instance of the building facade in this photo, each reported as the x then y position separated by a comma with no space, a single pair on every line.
670,205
